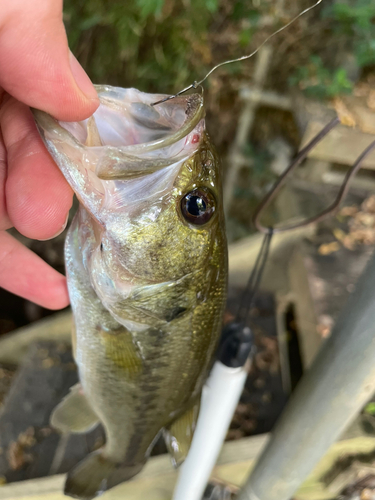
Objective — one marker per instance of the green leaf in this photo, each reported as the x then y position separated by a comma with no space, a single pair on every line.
90,22
150,7
212,5
370,408
245,37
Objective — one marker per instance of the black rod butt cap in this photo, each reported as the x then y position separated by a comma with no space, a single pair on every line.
236,345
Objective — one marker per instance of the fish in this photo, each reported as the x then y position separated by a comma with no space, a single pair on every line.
146,265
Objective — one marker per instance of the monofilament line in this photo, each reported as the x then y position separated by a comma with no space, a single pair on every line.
195,84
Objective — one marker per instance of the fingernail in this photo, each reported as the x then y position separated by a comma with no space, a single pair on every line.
81,78
58,232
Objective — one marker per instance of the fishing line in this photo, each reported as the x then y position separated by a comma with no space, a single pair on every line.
253,283
236,347
195,84
256,275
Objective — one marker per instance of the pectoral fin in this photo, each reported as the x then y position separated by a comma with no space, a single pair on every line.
122,351
179,435
74,414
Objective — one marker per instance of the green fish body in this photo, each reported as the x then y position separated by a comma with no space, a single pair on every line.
147,269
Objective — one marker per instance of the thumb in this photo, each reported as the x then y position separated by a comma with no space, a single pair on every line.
37,67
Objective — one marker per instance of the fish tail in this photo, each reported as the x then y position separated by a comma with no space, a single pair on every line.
96,474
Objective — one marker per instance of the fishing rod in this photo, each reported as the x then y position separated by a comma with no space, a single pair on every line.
220,397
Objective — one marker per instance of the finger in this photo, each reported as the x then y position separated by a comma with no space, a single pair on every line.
25,274
4,219
38,198
36,65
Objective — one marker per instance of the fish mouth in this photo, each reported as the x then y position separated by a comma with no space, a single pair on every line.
126,137
158,126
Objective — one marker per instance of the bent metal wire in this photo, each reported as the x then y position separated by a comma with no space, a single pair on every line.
196,84
297,161
252,286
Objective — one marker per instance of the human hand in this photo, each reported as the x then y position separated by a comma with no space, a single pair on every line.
36,69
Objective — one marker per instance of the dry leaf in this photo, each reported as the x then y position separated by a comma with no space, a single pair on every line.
325,325
324,331
27,438
346,117
364,235
371,99
339,234
348,211
366,219
369,204
367,494
349,242
328,248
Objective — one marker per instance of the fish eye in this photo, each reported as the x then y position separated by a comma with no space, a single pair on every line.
198,206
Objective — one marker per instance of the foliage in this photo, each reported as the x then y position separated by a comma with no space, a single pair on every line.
148,43
164,45
157,45
355,20
370,408
351,30
161,45
318,81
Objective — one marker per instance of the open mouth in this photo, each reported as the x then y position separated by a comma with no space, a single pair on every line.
127,137
126,119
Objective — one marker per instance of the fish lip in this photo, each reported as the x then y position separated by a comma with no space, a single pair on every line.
194,110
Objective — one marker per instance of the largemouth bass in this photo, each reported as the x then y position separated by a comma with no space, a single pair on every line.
147,268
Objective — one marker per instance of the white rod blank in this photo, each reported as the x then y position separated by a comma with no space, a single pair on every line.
220,397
